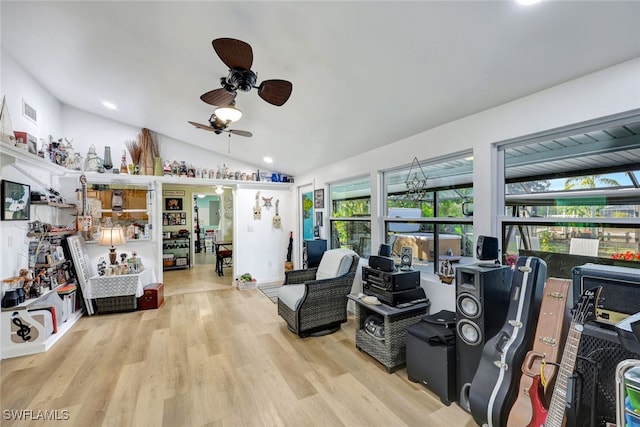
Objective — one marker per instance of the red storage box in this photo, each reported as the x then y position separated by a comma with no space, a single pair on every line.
153,296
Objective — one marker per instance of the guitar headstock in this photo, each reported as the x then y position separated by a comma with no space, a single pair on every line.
585,309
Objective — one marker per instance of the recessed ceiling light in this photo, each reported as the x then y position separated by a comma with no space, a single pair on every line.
109,105
268,160
528,2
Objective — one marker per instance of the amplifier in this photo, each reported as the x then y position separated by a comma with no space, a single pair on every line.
620,296
399,298
390,281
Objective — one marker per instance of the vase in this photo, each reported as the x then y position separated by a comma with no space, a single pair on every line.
157,166
107,163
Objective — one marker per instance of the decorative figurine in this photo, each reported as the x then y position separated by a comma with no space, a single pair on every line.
93,162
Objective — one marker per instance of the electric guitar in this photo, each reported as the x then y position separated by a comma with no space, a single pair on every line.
584,311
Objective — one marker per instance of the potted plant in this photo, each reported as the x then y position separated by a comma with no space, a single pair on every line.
245,281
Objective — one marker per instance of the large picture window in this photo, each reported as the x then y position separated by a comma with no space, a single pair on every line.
351,215
574,194
429,208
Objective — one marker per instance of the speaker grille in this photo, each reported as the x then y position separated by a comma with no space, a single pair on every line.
598,357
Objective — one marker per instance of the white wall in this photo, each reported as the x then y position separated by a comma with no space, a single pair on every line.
259,248
610,91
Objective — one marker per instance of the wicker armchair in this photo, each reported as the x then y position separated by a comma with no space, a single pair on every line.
312,303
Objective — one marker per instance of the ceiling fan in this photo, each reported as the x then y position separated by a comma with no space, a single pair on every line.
217,126
238,56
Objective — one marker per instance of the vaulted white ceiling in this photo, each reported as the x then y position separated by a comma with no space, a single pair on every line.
364,73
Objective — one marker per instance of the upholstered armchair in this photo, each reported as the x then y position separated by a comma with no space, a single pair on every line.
314,300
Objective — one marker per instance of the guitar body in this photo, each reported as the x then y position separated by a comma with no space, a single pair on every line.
539,412
547,348
495,384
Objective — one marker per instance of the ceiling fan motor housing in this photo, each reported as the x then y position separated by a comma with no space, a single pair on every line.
241,79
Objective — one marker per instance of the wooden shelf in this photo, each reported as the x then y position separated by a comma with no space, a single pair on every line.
54,204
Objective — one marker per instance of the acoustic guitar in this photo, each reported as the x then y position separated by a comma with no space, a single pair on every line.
584,311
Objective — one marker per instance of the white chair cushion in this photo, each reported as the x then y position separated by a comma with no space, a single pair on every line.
334,263
291,295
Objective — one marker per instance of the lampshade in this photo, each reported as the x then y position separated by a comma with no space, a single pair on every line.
228,113
112,236
219,189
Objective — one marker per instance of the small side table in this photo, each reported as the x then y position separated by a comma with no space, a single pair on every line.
391,351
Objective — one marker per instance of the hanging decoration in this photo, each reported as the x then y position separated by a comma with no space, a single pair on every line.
257,210
267,201
277,221
416,184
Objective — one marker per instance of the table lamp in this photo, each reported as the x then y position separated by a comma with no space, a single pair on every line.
112,237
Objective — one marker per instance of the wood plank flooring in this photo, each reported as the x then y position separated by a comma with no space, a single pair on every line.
212,356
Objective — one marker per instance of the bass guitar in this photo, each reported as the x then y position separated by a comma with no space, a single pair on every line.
584,311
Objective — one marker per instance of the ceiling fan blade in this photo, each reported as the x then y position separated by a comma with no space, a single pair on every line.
240,132
275,92
234,53
201,126
218,97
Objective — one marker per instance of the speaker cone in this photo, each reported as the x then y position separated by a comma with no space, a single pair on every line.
469,305
469,332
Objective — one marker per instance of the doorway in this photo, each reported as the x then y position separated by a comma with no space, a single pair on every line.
206,223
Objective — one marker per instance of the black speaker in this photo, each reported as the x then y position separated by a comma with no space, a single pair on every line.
312,252
482,302
487,248
385,250
381,263
406,258
599,353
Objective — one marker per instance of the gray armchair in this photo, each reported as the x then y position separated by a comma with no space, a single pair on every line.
314,300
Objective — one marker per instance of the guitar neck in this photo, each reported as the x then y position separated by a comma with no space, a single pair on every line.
567,366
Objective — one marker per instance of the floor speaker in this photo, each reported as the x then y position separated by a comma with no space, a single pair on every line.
599,353
482,301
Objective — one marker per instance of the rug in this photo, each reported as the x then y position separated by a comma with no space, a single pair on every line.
270,290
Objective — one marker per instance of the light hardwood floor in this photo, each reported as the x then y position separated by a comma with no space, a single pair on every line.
213,356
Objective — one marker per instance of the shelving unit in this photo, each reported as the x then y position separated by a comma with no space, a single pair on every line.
180,248
390,351
23,334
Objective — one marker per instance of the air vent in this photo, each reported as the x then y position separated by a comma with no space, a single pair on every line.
29,112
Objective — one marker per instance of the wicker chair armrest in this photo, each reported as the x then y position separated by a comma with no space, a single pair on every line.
299,276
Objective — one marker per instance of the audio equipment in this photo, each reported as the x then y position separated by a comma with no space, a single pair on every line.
385,250
482,301
599,353
312,251
381,263
398,298
390,281
620,296
406,258
487,248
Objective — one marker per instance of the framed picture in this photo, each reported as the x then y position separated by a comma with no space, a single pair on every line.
16,201
173,204
319,218
318,197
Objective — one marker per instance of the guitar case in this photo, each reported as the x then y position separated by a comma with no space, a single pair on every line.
546,347
494,386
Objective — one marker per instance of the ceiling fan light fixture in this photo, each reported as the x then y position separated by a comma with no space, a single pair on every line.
228,113
219,189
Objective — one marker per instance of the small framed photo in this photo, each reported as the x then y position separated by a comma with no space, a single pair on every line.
16,201
319,218
173,204
318,198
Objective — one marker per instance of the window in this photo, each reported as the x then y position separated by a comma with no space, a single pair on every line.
429,208
576,193
351,215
